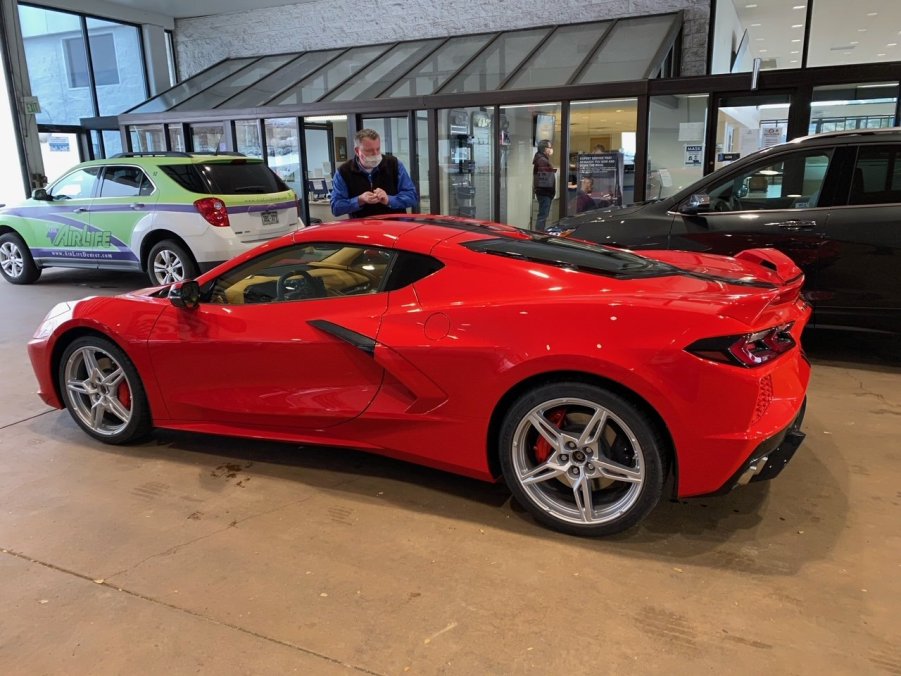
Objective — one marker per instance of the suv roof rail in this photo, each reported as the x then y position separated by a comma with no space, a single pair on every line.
217,153
871,131
153,153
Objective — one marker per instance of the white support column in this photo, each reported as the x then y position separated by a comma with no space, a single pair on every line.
20,86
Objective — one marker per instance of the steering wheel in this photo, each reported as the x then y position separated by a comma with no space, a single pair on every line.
724,205
286,291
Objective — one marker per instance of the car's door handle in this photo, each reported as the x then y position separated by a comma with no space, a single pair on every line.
80,210
793,225
136,205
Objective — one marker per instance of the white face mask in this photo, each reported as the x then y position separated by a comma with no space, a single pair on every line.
370,162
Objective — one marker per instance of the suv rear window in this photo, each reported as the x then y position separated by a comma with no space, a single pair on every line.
567,253
226,178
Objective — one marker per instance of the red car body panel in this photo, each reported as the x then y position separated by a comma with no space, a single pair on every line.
450,347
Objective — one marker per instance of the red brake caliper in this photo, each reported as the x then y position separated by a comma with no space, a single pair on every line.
542,447
124,394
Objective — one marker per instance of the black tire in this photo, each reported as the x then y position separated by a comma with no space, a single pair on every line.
594,445
16,264
102,390
168,262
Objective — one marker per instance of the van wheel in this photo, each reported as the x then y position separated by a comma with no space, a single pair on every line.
16,264
168,262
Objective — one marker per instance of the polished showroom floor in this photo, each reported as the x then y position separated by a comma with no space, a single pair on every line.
189,554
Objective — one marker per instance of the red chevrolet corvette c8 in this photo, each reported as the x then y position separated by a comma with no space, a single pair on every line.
582,375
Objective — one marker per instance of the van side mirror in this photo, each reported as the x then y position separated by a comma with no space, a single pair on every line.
697,204
41,194
185,295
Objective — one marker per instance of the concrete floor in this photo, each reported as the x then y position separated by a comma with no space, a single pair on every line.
191,554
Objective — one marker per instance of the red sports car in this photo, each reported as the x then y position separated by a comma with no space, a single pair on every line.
583,375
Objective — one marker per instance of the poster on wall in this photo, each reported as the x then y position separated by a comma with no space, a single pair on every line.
544,128
605,174
694,154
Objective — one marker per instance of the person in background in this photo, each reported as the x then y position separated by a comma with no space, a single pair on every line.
371,184
584,201
544,182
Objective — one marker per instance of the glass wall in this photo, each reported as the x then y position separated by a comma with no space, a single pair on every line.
422,160
601,168
177,137
519,130
676,131
145,138
208,137
248,138
855,106
746,124
843,33
466,161
771,30
283,150
57,58
112,143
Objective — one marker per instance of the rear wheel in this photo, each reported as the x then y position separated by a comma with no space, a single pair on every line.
168,262
16,264
581,459
102,391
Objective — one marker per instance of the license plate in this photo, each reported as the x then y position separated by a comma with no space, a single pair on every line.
270,217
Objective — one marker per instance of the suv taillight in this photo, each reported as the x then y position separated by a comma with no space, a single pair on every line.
214,211
749,349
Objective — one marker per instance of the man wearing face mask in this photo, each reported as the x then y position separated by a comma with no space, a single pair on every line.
370,184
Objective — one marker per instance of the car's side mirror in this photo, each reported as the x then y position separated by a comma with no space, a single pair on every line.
697,204
185,295
41,194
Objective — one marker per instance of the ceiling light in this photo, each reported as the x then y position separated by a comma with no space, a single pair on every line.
793,61
762,51
892,44
796,40
854,42
798,25
756,25
750,6
872,13
794,51
883,54
759,39
861,30
799,6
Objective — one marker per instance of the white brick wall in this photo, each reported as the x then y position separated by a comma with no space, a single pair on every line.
319,24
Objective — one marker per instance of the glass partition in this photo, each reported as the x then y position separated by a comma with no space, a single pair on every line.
248,139
466,161
676,129
853,106
261,92
331,75
283,150
437,68
177,137
843,33
172,97
519,130
771,30
746,124
372,81
208,137
601,169
112,143
145,138
422,161
629,52
239,81
494,65
559,56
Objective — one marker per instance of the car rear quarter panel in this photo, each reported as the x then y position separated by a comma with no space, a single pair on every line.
477,345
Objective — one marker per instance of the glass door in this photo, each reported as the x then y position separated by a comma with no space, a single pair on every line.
748,123
395,134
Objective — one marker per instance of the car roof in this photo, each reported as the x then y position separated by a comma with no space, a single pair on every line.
156,158
414,232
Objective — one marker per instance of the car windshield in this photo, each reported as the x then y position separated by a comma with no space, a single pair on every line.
575,254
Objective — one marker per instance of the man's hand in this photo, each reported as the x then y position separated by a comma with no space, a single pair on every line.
369,197
381,196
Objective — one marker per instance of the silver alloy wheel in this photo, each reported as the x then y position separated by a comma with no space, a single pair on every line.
96,386
167,267
579,482
11,259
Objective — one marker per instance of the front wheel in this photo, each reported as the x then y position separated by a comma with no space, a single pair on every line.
102,391
168,263
581,459
16,264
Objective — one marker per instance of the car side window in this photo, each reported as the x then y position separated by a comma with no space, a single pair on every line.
877,176
121,182
77,185
304,272
792,181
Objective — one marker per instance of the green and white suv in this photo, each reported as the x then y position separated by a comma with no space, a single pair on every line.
171,215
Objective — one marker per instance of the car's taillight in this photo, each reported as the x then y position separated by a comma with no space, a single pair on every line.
213,210
749,349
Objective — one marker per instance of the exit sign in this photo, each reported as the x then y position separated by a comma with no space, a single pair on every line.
32,105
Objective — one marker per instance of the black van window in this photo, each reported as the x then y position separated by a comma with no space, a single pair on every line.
877,176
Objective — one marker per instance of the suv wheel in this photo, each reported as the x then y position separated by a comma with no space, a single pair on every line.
16,264
168,262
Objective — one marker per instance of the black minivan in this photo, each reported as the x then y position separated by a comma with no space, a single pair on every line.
831,202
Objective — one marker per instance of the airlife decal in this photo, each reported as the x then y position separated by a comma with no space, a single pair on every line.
67,236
